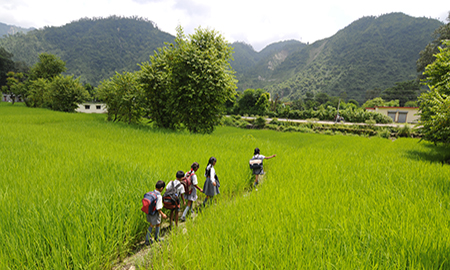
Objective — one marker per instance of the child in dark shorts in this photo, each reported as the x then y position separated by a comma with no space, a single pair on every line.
155,220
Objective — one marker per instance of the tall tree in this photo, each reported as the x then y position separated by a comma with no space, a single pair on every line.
65,93
6,65
427,56
123,97
403,91
156,79
48,67
435,104
14,85
192,79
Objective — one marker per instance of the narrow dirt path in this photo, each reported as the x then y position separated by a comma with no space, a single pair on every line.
142,253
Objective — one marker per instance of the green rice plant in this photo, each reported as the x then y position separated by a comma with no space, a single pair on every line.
71,187
327,202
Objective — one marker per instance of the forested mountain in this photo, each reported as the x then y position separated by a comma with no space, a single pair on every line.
372,52
252,68
6,29
94,49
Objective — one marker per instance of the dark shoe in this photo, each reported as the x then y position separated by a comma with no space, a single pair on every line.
148,243
182,219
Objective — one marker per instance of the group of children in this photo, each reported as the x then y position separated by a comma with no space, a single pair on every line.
210,189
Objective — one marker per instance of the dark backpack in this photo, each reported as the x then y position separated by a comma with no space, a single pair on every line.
149,203
256,164
170,198
187,182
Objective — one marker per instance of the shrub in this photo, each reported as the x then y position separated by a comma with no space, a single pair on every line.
260,122
227,121
290,128
405,131
385,133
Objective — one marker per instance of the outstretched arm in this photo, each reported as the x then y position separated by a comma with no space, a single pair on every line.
272,156
197,187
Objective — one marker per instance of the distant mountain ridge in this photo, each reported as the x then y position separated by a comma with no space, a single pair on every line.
372,52
6,29
93,49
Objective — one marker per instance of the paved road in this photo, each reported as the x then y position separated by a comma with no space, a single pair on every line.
330,122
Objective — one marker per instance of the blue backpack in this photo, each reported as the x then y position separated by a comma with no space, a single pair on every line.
149,203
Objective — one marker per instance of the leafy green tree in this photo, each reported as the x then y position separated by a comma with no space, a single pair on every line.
403,91
427,56
123,96
65,93
190,81
373,93
371,103
36,93
156,80
352,101
435,104
412,103
298,105
14,85
248,100
322,98
263,104
204,79
6,65
48,67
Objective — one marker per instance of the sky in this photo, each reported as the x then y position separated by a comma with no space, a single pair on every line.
255,22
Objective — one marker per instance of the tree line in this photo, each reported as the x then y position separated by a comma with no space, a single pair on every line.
190,84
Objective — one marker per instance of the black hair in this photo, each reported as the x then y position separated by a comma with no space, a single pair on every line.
179,174
210,162
256,151
160,184
195,165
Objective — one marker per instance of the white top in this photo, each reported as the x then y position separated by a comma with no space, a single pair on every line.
212,173
173,184
194,180
159,203
259,156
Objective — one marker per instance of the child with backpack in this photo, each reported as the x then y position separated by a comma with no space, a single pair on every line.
153,207
192,185
211,186
171,198
256,164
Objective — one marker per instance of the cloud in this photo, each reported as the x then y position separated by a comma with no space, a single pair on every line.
143,2
192,8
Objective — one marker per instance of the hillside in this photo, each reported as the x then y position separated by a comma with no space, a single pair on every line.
253,67
94,49
6,29
372,52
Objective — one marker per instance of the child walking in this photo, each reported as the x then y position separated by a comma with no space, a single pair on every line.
259,171
194,186
211,186
176,187
155,220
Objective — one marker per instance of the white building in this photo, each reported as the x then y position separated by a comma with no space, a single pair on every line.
92,108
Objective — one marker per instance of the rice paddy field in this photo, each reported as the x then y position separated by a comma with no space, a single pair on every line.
71,187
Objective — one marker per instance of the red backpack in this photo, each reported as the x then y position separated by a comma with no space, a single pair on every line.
187,182
149,203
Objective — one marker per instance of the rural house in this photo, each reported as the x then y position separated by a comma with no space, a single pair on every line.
399,114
